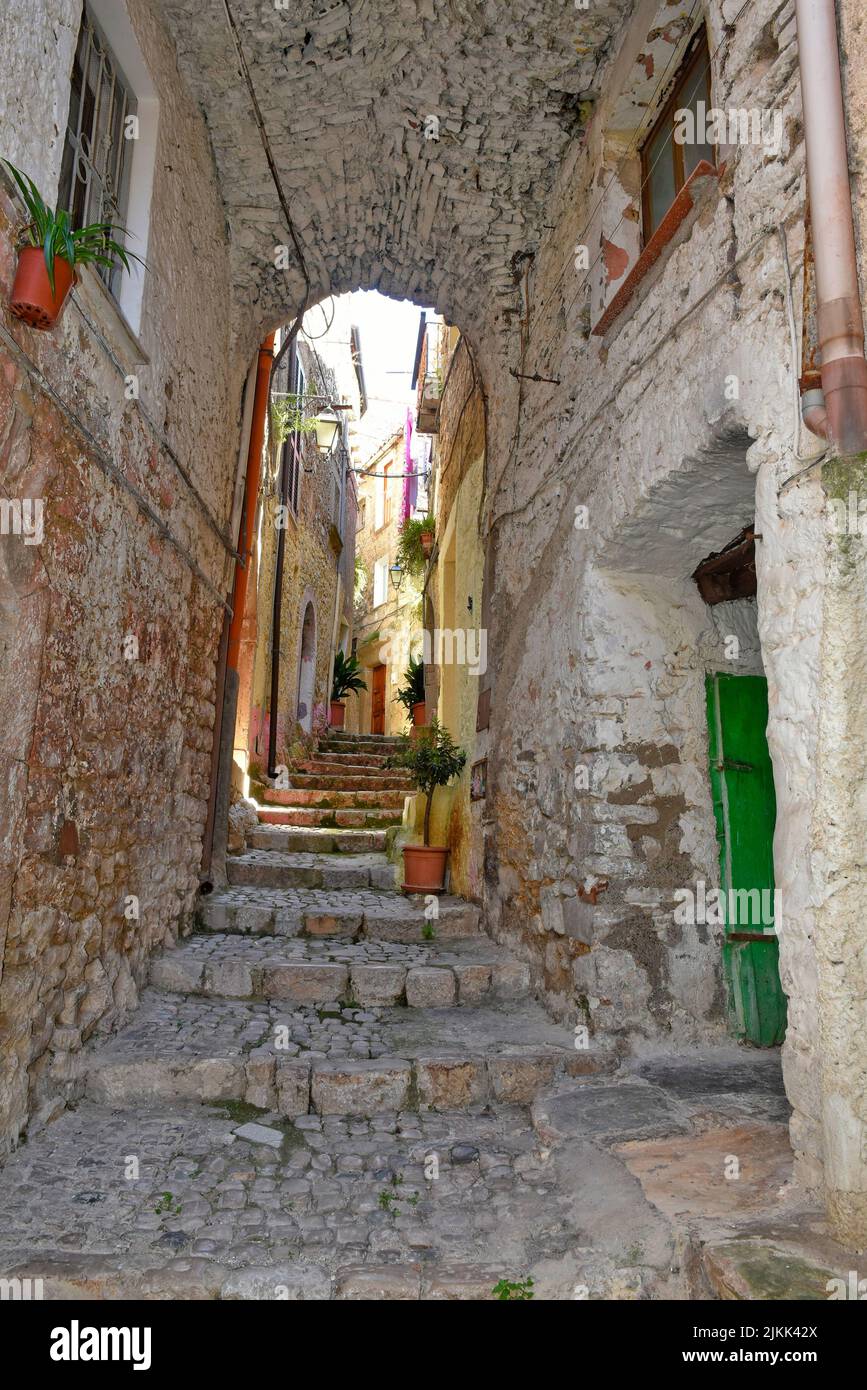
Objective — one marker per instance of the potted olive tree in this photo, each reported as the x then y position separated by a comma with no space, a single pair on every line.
345,680
49,252
432,760
411,693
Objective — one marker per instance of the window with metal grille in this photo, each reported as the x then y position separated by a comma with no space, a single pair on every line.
94,174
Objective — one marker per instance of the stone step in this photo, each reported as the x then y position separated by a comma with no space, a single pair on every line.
270,868
341,736
311,839
295,1059
372,800
377,915
342,819
384,781
381,748
365,974
82,1276
336,762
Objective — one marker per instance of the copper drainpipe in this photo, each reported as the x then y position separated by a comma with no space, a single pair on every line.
251,493
837,411
216,827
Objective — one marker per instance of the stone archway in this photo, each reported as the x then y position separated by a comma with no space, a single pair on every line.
307,666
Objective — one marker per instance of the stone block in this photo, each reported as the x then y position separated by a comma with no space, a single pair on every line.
259,1077
459,1282
377,985
294,1283
450,1083
260,1134
391,1283
327,924
292,1078
360,1088
473,981
517,1079
231,979
510,979
304,982
428,987
177,971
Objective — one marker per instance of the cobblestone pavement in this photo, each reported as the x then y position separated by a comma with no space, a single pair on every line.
335,1191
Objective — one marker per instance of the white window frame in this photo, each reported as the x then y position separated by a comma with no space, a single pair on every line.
112,19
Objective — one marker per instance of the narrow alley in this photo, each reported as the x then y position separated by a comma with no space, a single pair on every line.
433,440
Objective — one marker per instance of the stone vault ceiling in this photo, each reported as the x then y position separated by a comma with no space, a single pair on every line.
345,90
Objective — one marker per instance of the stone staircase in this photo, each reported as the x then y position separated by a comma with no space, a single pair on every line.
344,785
331,1090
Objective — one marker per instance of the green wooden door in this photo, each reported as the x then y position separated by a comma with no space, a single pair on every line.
745,808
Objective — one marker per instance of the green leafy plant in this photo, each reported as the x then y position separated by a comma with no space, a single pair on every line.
410,554
346,676
513,1291
412,691
432,760
168,1204
288,417
360,583
54,233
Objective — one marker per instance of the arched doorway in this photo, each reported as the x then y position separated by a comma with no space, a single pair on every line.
307,669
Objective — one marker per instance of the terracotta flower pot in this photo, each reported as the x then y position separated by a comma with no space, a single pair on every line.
31,299
427,542
419,713
337,715
424,868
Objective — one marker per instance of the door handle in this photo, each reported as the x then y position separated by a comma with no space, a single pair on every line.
730,765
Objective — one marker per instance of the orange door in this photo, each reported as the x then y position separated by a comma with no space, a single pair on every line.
377,701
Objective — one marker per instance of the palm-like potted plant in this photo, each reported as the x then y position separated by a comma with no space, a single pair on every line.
49,252
346,679
432,760
411,693
415,543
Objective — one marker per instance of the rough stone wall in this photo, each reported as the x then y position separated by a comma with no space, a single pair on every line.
105,759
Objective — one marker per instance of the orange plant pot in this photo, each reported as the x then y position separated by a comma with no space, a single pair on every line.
31,299
424,868
427,543
337,714
419,713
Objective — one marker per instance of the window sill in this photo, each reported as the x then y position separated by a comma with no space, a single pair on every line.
679,218
102,311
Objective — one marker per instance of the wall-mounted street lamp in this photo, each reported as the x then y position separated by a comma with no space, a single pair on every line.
328,424
395,574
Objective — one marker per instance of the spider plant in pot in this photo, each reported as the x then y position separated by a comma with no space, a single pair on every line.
415,543
432,760
345,680
411,693
49,252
